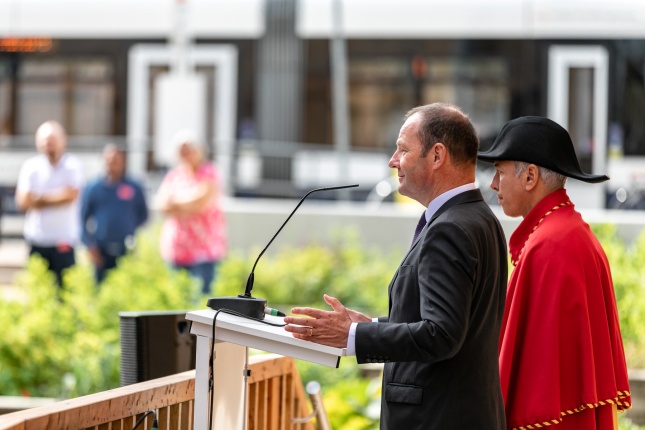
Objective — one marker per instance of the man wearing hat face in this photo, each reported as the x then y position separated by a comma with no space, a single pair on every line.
561,354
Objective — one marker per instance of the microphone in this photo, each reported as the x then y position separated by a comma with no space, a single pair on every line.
246,304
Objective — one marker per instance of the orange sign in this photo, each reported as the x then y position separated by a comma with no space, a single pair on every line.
25,44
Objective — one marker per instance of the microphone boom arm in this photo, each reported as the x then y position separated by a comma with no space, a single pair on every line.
245,304
251,279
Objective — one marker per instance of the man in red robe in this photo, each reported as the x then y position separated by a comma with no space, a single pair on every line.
560,353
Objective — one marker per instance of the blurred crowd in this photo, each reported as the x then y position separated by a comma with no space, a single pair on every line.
104,214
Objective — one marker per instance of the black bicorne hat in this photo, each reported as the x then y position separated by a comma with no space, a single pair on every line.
540,141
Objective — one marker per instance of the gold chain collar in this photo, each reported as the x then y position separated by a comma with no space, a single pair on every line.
555,208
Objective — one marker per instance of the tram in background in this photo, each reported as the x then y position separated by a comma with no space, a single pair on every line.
94,66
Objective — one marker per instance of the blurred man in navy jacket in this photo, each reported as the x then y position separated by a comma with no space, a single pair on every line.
113,207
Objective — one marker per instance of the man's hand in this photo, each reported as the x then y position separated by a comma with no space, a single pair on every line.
329,328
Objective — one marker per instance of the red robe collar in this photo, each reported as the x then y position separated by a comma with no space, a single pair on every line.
543,209
560,347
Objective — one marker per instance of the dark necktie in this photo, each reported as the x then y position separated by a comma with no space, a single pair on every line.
422,223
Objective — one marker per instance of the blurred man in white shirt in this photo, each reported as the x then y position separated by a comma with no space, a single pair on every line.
47,191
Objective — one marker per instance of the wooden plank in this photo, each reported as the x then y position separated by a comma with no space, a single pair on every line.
286,402
300,402
136,420
293,403
12,423
250,405
164,418
128,423
174,416
268,366
185,416
191,415
256,409
42,423
263,406
274,402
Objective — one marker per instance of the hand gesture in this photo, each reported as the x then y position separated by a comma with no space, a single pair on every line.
329,328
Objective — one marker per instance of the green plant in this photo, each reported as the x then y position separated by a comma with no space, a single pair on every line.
67,344
300,276
627,424
628,272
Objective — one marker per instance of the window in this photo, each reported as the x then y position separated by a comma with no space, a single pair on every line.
477,85
383,89
380,93
77,93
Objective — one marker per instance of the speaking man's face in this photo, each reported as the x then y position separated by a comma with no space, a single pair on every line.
413,169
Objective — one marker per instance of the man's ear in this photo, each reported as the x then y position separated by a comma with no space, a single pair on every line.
439,154
532,177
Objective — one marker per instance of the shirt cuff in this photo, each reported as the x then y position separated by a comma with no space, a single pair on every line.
351,340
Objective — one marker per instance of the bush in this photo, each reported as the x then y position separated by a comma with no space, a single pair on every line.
68,345
627,424
300,276
628,272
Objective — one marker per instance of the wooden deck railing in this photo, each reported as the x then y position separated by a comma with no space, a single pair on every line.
275,397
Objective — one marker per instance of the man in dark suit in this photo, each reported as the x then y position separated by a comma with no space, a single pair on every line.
446,300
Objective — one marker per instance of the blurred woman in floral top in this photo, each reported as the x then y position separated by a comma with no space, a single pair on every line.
193,236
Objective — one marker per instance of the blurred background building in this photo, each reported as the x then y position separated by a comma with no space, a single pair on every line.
262,82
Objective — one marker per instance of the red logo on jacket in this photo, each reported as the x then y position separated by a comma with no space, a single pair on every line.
125,192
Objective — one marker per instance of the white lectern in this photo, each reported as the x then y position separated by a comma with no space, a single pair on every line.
233,336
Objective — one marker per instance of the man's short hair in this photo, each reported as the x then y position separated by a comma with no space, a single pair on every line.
446,123
553,180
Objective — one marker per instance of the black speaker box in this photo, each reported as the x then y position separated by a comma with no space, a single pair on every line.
155,344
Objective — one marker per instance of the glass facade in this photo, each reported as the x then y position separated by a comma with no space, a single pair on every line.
84,85
491,80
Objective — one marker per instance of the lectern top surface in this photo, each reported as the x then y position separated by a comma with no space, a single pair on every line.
228,325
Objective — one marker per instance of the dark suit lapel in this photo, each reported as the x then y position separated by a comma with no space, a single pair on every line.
461,198
470,196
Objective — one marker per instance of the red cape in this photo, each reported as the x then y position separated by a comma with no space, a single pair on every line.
561,350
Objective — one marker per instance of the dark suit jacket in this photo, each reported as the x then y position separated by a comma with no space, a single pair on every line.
440,340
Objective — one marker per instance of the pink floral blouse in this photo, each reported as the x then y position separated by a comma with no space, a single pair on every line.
195,238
